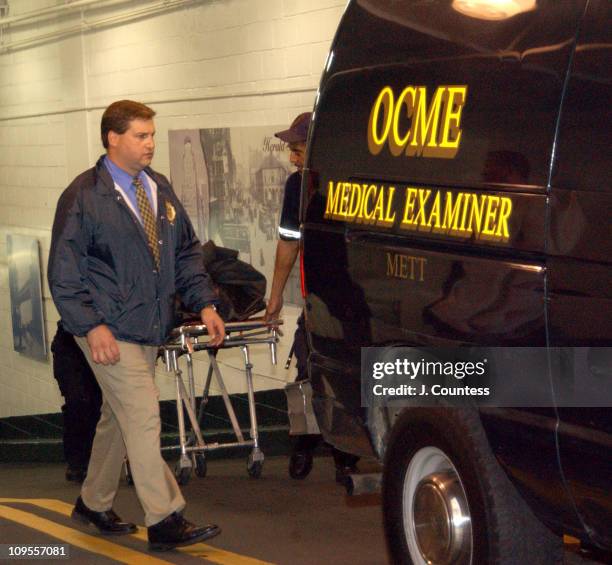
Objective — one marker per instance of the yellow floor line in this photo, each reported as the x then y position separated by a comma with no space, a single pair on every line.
201,550
211,554
79,539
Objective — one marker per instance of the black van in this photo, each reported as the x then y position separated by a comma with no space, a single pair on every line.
457,192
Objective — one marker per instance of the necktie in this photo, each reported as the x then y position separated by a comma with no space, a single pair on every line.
148,219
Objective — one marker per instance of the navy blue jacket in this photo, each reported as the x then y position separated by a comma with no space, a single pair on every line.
101,269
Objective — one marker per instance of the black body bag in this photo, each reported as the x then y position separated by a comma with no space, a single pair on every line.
240,287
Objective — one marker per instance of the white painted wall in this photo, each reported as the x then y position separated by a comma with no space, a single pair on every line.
218,63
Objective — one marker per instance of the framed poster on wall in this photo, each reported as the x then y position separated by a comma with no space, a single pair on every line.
26,296
231,182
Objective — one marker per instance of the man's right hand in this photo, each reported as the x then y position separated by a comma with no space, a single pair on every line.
273,308
103,345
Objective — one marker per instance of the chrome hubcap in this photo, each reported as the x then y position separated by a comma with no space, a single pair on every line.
437,520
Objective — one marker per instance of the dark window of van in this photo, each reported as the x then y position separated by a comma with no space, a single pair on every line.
583,157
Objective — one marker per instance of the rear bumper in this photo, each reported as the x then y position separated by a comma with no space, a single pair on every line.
336,400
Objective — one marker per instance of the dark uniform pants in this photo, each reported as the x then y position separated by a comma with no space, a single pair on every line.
309,442
82,397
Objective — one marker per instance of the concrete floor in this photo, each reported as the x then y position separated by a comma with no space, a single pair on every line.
269,520
273,519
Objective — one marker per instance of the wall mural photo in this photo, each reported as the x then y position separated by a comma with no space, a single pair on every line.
231,182
27,315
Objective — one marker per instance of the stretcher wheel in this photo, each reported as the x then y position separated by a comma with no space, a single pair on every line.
254,467
182,474
201,467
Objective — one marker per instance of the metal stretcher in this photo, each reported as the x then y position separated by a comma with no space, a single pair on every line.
189,339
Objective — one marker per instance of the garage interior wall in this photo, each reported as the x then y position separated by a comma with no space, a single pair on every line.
199,64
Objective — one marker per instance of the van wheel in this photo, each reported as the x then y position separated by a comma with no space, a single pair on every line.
446,499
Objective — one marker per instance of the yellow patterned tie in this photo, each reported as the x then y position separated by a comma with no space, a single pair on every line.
148,219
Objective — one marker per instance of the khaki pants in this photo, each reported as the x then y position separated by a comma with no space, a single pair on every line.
129,423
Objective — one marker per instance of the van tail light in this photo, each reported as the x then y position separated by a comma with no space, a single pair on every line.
302,278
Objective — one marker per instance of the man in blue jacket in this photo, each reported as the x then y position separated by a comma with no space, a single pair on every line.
122,247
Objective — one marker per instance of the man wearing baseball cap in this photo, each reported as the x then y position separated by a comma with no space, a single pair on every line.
287,250
289,228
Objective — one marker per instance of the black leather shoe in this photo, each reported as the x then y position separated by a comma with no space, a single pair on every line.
300,464
346,464
107,522
75,475
175,531
342,473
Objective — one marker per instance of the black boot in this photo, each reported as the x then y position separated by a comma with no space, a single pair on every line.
107,522
300,464
302,452
175,531
346,464
75,474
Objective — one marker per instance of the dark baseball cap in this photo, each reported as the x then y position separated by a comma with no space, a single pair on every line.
298,131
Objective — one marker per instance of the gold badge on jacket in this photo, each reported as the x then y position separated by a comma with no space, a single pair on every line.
170,212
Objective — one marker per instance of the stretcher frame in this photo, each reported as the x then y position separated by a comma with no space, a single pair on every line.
187,340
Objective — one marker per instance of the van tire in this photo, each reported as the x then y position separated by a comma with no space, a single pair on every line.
504,531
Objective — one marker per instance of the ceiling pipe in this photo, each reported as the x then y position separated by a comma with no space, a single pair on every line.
90,25
46,13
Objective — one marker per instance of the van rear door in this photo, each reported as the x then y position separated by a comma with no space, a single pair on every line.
580,272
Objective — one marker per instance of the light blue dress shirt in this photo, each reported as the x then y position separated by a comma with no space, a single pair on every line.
124,180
